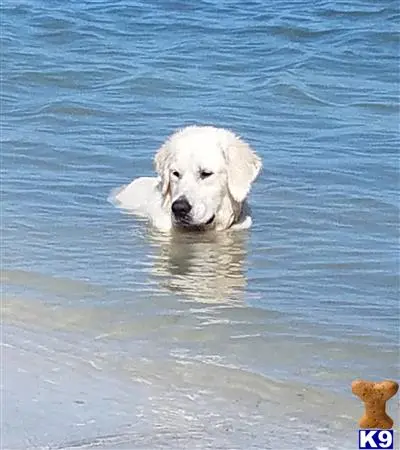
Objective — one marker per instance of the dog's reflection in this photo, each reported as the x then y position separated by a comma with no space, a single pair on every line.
205,267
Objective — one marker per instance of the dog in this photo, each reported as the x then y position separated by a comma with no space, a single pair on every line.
204,177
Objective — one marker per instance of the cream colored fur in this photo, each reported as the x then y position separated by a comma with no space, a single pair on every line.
210,167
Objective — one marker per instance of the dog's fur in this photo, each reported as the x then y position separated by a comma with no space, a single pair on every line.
210,169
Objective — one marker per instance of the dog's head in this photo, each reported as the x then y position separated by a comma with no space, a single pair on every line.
206,174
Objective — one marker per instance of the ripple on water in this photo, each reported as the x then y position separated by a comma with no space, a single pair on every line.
98,303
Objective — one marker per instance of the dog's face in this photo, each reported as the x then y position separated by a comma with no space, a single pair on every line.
206,174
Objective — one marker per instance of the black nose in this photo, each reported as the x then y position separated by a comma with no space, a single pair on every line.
181,207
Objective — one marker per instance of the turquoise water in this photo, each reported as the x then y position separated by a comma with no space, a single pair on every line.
119,336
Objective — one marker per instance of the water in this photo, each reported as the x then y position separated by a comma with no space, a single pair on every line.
116,336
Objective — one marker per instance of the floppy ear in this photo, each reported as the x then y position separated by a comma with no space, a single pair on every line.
161,165
243,167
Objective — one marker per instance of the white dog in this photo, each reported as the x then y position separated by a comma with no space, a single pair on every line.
205,174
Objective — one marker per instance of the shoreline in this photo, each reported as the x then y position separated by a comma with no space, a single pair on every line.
67,391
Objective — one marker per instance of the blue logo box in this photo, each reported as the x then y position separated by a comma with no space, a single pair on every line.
375,439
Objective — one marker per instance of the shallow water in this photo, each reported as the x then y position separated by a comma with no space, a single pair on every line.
115,335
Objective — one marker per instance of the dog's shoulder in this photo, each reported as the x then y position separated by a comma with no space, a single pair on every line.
143,197
136,195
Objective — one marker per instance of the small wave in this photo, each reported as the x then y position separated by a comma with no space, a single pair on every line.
71,110
378,107
47,283
300,93
351,11
295,33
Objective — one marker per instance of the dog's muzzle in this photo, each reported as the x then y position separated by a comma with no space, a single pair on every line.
181,208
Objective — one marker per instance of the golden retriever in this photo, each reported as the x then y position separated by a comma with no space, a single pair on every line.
204,176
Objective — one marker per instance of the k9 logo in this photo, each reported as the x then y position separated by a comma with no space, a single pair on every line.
369,439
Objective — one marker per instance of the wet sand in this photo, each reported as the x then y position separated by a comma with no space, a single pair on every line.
67,388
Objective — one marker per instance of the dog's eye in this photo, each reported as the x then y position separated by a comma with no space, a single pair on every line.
176,174
205,174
